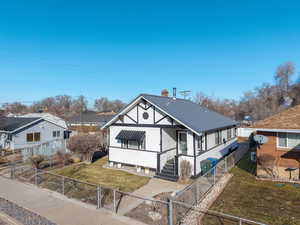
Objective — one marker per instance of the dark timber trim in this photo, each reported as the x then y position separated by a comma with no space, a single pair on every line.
147,125
160,134
154,112
205,141
131,118
145,108
161,119
177,142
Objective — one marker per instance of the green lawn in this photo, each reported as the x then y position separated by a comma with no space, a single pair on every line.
96,174
262,201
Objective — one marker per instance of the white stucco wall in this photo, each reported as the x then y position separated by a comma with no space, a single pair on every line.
217,152
133,157
168,138
19,140
210,140
152,136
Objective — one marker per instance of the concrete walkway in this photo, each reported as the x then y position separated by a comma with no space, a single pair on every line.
57,208
154,187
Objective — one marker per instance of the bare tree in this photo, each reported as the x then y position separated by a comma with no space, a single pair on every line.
79,104
283,76
103,104
15,107
86,144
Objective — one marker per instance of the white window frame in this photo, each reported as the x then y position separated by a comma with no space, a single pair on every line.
287,141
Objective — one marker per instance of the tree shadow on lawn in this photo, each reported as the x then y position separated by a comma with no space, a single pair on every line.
246,164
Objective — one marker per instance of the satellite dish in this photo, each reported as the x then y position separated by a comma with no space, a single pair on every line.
260,139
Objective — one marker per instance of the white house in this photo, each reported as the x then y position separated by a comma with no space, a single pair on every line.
158,132
32,130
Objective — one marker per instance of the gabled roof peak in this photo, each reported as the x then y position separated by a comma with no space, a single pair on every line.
197,118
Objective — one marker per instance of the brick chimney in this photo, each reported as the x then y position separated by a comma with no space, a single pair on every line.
165,93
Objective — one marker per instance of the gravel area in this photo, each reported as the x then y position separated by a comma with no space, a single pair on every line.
22,215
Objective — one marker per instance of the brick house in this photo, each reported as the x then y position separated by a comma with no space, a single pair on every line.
280,155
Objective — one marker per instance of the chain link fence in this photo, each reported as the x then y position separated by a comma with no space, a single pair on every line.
195,192
159,210
195,216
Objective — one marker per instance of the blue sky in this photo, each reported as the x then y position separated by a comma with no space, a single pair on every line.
119,49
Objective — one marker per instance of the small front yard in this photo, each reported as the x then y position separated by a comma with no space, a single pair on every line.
262,201
96,174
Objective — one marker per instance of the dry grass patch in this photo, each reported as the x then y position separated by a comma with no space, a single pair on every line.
262,201
96,174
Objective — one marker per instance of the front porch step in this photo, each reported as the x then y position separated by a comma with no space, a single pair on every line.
166,177
168,171
167,166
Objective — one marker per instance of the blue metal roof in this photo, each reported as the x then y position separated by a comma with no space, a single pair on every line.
190,114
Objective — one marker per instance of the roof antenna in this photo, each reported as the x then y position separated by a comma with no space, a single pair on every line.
185,93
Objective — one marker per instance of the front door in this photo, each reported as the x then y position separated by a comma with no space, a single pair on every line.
182,143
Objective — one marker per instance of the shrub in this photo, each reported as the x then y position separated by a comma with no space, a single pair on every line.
36,161
63,159
86,144
185,170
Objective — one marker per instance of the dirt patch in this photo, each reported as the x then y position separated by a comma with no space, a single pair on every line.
150,212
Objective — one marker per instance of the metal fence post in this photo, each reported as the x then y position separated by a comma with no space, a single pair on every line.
12,171
63,185
214,176
170,212
36,177
115,208
225,162
99,204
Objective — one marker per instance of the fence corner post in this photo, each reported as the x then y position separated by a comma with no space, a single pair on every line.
214,176
99,204
170,212
12,171
36,177
225,162
63,185
115,205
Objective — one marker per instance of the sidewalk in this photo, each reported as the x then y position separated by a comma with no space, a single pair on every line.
154,187
57,208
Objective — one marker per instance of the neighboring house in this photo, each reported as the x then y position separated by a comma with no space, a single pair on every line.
158,132
280,155
90,118
32,130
